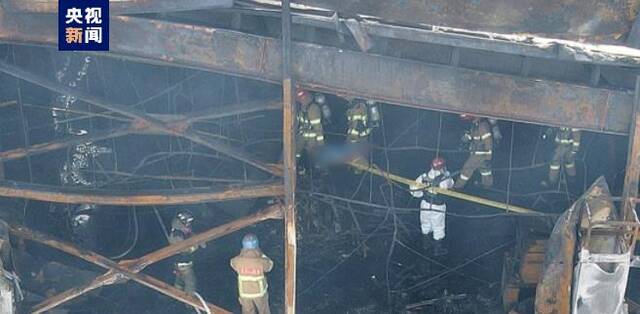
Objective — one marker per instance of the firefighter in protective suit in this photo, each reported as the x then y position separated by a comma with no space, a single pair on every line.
360,125
567,146
432,206
480,142
358,119
183,268
251,265
310,131
84,226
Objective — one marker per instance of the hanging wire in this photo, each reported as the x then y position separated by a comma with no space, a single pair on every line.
390,203
431,260
136,233
444,273
513,126
439,136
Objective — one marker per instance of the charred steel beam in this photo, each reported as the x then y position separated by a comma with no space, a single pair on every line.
137,265
121,6
141,118
215,113
102,261
586,20
632,173
232,110
524,45
67,195
289,161
391,80
65,142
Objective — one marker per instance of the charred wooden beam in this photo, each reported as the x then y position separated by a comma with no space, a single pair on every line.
137,265
142,119
122,6
391,80
68,195
102,261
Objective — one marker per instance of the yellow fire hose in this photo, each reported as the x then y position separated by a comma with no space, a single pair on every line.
390,176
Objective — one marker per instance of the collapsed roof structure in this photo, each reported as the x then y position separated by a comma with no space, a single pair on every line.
566,63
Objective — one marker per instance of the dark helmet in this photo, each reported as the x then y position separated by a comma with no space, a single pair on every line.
438,163
185,218
250,241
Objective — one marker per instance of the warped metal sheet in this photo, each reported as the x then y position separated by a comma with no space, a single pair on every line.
588,20
597,290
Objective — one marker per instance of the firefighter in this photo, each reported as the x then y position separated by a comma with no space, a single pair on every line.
84,226
358,119
567,146
183,268
432,204
480,142
310,131
251,265
362,117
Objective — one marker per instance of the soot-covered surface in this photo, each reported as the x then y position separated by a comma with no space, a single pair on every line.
360,248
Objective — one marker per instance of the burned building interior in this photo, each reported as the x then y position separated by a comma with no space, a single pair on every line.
306,124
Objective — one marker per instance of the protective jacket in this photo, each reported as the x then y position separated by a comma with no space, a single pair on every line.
251,266
568,137
567,146
434,178
176,236
310,123
185,277
481,150
432,215
480,139
358,119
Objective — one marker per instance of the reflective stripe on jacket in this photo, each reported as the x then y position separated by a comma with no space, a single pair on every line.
358,118
310,123
481,140
251,265
244,281
567,136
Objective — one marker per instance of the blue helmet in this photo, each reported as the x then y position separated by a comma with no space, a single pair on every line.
250,241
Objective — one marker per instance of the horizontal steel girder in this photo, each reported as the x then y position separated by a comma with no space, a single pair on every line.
349,73
121,6
520,44
56,194
589,20
514,44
